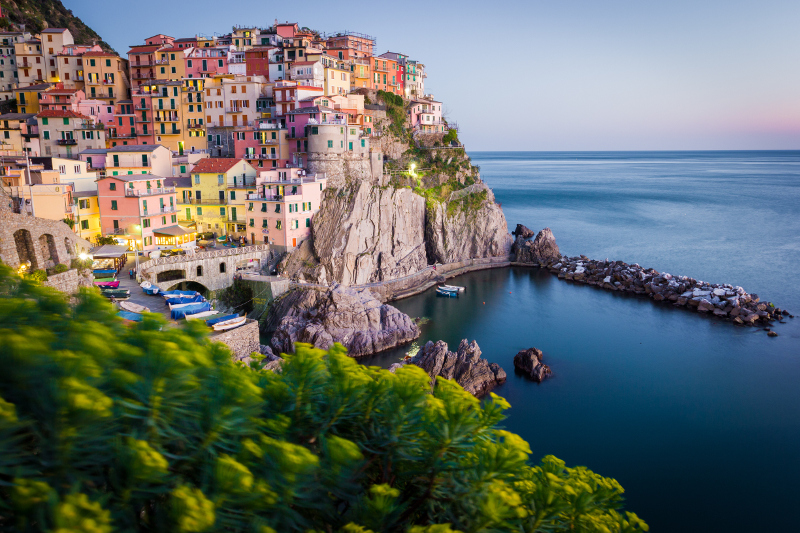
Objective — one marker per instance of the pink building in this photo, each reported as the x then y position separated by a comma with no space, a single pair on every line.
426,115
280,212
60,99
141,209
288,94
205,62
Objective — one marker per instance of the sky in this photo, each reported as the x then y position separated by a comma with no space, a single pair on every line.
555,74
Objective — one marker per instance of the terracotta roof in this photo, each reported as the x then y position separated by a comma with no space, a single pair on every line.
95,53
185,39
38,87
58,113
54,30
61,91
304,62
141,49
214,165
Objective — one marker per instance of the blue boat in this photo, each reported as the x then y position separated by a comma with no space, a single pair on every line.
213,321
185,299
447,293
127,315
176,314
104,273
175,294
151,290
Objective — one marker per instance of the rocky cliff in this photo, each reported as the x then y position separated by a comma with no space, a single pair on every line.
351,317
470,226
540,250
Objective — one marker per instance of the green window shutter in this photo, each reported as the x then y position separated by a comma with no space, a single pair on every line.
44,120
113,205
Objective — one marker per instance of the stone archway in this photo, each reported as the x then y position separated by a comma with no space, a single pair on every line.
191,286
48,250
169,275
25,249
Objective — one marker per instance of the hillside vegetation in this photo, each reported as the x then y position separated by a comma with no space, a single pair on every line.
37,15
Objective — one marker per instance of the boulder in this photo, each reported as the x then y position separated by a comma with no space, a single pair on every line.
352,317
523,231
465,366
540,250
529,362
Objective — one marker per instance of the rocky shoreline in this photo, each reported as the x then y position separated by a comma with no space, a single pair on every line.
721,300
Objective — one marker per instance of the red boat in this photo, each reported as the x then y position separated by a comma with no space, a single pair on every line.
108,284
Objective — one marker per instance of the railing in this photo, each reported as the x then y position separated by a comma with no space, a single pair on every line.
148,63
238,218
66,142
194,201
189,125
174,131
160,211
161,61
238,183
118,231
261,156
336,121
222,252
168,118
235,109
135,164
149,192
108,82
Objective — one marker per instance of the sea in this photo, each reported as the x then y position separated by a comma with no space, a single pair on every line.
698,419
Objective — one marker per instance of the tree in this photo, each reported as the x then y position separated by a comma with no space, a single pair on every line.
100,240
106,427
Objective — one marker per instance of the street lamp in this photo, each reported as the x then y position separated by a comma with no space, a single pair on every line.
136,251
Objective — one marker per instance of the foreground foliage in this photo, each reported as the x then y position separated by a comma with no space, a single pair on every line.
105,427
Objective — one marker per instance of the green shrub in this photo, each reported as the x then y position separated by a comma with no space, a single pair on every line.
106,428
80,264
450,136
60,268
39,275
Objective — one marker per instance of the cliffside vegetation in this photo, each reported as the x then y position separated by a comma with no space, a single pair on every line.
106,428
37,15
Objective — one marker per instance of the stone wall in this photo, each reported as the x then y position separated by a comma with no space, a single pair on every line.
43,242
70,281
242,340
339,168
265,290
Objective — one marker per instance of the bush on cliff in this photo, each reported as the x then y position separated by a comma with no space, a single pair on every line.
106,428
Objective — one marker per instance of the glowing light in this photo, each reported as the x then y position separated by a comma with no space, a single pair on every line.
84,256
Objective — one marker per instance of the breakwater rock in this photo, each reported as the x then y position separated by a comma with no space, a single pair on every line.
543,248
349,316
465,366
722,300
529,362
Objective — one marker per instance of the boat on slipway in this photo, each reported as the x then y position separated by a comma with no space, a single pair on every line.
230,324
134,308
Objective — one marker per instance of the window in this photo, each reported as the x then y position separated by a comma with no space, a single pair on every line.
330,144
308,222
197,179
84,224
45,133
222,211
220,179
116,224
108,62
278,225
199,270
222,268
314,130
112,186
233,195
163,220
113,205
199,211
174,218
44,119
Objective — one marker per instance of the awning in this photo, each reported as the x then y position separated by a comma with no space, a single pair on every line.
172,231
108,250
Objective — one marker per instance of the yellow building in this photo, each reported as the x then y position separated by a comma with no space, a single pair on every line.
30,62
105,77
193,125
171,63
28,97
53,40
337,76
16,132
211,180
86,214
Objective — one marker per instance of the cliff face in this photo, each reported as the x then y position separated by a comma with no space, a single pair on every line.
466,227
364,233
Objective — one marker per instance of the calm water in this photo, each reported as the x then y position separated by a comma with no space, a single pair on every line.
699,420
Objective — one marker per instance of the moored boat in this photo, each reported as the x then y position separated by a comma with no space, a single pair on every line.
446,293
203,314
108,284
117,294
229,324
134,308
453,288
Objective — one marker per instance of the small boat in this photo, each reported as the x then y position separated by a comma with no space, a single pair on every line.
177,294
203,314
453,288
105,280
145,284
117,294
229,324
191,309
446,293
127,315
222,318
152,291
103,272
183,304
108,284
134,308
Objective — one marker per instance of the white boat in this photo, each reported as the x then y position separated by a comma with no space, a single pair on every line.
446,293
145,284
178,306
201,315
453,288
230,324
134,308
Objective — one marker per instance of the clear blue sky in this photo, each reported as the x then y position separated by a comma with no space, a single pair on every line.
555,74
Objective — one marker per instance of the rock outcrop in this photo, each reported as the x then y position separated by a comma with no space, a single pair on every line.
351,317
465,366
523,231
529,362
364,233
543,248
465,228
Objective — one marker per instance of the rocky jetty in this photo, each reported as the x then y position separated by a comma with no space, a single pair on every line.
722,300
543,248
529,362
523,231
351,317
465,366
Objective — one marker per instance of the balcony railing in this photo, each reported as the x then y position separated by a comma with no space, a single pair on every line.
260,156
169,132
194,201
235,109
240,217
166,210
118,231
149,192
66,142
168,118
108,82
148,63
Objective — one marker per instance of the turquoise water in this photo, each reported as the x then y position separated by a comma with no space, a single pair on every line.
698,419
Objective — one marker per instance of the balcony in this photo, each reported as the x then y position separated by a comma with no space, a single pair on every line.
260,156
166,210
241,218
142,76
108,82
161,62
170,132
148,63
149,192
118,231
168,118
193,201
66,142
119,135
235,109
142,119
194,126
